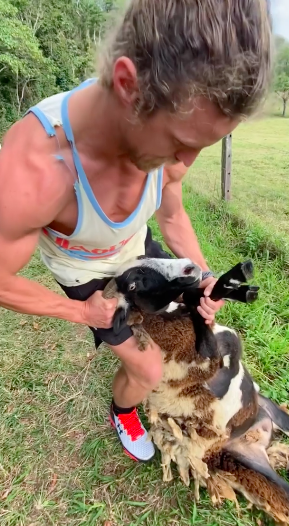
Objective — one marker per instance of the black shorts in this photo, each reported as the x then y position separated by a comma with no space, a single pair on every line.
83,292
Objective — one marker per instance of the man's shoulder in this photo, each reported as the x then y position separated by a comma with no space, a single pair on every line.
29,172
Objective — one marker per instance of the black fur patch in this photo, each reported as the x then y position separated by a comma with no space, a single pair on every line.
247,388
228,345
120,319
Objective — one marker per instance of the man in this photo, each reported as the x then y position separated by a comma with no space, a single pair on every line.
83,171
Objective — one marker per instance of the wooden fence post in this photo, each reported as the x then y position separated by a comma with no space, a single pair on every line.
226,171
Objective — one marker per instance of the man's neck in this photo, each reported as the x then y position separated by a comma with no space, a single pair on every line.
95,119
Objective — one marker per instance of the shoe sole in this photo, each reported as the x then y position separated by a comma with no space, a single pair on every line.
130,455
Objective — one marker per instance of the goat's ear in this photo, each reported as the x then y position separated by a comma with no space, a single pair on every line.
120,319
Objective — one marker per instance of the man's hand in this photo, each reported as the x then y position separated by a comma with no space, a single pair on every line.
208,307
98,311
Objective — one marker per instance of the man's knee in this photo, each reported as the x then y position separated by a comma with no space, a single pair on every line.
152,374
150,370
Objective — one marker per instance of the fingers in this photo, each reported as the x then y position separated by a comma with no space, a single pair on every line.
208,309
110,304
208,318
107,304
109,308
208,284
103,310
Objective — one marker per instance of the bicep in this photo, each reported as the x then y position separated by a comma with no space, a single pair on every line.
172,203
19,228
16,253
29,200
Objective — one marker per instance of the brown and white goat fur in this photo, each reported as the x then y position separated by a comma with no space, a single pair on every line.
206,415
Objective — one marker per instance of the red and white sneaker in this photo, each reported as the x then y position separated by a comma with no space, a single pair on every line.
133,436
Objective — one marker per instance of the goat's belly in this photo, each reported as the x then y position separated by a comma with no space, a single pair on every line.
238,400
194,401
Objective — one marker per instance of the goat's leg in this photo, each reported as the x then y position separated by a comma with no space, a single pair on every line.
142,337
278,453
166,465
229,286
244,294
245,466
240,273
279,417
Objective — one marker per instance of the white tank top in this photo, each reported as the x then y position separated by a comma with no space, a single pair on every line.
98,246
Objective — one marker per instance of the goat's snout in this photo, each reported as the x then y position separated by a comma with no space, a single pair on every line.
192,270
191,275
188,270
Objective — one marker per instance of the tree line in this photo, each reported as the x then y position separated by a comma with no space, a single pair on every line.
49,46
46,46
281,84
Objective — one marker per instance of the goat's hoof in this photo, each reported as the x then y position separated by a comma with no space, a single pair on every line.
252,294
247,269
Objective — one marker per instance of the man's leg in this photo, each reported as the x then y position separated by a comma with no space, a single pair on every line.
138,375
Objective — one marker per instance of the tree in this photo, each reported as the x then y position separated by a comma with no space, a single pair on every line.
281,85
68,32
282,89
24,71
45,47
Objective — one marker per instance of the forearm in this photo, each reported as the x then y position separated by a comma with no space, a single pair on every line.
180,237
28,297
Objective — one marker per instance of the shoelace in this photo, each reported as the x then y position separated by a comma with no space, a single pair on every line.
132,424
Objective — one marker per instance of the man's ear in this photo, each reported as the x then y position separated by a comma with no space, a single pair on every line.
125,81
120,319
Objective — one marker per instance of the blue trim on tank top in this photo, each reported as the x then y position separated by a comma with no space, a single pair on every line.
79,217
159,187
43,119
48,127
82,175
51,132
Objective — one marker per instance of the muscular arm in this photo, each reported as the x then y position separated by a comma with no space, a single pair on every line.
29,200
174,222
180,237
28,297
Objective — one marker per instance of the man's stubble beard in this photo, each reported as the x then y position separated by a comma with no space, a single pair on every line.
148,164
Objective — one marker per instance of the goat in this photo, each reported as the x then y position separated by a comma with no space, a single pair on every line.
141,279
207,414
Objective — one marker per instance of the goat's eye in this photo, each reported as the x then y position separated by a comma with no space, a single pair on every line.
132,286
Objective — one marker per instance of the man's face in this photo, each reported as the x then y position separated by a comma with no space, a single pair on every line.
172,138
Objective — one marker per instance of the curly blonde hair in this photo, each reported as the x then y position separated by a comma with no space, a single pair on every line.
220,49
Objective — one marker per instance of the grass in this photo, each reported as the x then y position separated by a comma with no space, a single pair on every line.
60,463
260,190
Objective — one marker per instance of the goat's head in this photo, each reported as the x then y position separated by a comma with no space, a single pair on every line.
150,284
